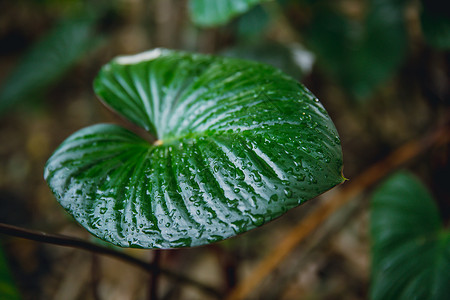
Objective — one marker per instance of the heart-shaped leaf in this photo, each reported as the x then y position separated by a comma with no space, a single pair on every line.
411,248
214,13
239,143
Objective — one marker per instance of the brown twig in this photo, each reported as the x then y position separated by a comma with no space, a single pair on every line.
72,242
95,273
346,193
153,292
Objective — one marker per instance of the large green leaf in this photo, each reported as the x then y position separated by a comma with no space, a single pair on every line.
411,248
213,13
239,143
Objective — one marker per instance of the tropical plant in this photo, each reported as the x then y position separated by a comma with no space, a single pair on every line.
235,145
411,246
207,147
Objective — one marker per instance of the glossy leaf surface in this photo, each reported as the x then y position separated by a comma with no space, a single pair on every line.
214,13
411,248
239,143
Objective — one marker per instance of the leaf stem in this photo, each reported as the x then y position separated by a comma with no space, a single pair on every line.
67,241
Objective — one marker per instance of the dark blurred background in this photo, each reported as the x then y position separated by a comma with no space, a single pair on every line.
380,67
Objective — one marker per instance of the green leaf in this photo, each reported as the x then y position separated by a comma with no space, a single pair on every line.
213,13
360,55
47,61
252,25
8,289
435,19
239,143
411,248
292,59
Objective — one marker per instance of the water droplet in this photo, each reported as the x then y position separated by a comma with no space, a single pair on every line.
274,198
257,220
300,177
288,192
255,176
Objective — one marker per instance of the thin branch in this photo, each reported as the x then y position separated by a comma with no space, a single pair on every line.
67,241
153,293
343,195
95,273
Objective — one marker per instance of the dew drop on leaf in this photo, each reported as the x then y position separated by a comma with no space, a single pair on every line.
288,192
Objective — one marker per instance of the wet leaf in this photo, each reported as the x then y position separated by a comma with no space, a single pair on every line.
238,144
214,13
411,248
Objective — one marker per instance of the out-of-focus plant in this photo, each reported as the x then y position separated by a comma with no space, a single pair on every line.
435,20
361,54
293,59
8,289
361,49
49,59
410,245
213,13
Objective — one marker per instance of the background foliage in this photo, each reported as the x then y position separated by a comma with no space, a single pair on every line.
380,67
411,247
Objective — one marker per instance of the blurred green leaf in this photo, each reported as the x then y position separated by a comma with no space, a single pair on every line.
48,60
239,143
213,13
292,59
252,25
360,55
411,248
435,19
8,289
